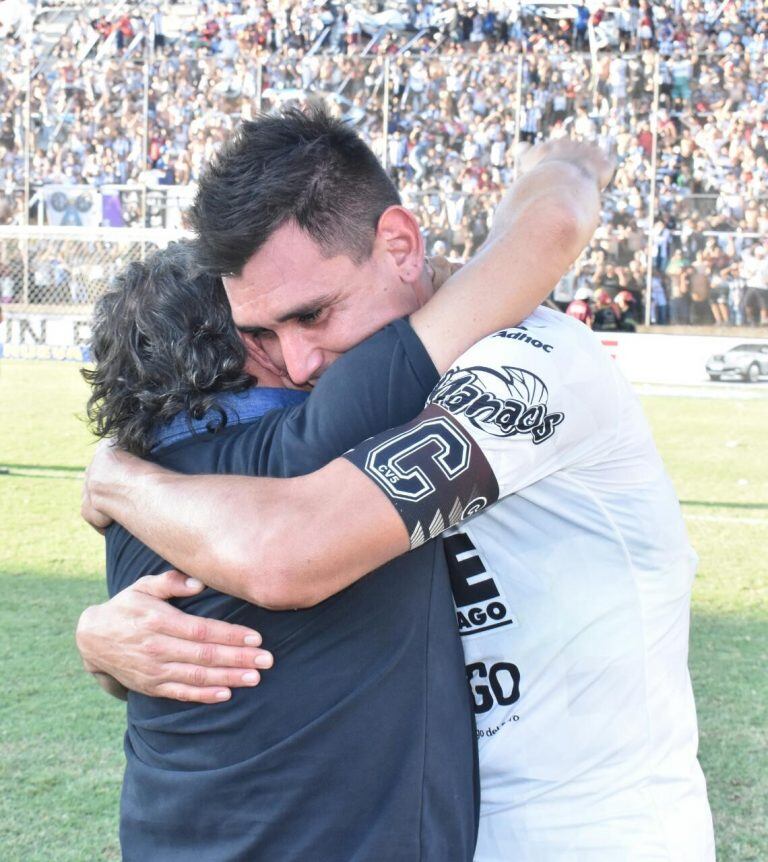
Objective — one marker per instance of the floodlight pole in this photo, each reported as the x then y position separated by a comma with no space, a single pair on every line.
385,116
27,160
145,142
652,194
27,131
518,115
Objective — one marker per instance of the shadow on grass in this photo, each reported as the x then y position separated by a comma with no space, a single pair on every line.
28,471
74,477
711,504
58,468
60,744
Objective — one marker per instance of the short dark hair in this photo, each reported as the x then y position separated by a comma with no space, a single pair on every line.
163,342
301,166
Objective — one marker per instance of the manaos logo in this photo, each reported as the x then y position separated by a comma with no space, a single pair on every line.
503,401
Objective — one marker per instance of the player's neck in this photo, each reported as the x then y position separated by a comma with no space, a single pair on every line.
424,288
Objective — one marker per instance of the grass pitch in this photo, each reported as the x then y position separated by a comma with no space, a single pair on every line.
61,737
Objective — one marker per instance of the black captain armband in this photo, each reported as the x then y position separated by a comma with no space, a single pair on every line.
434,473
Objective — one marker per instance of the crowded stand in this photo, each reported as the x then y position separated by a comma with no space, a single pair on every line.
449,95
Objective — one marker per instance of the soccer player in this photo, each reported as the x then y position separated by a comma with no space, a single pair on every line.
372,677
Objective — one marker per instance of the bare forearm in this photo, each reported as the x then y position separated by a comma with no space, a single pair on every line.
274,542
197,523
540,227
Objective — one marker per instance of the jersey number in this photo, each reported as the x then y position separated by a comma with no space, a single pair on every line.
403,463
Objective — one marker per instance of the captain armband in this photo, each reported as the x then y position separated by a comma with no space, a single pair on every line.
433,472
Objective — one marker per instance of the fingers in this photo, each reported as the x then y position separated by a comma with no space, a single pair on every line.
441,269
589,155
168,585
173,649
195,684
152,647
191,693
211,677
170,621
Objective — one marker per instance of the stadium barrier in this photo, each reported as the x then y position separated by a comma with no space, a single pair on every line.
644,358
45,336
669,359
50,278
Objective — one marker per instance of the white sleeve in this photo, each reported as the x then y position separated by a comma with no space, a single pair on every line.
518,406
535,400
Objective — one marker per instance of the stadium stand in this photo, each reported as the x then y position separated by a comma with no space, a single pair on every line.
121,105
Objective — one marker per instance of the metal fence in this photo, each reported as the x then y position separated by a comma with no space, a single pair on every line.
65,269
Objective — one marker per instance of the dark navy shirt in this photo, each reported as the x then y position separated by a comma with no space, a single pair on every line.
358,745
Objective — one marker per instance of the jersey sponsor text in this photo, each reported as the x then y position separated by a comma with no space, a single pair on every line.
503,402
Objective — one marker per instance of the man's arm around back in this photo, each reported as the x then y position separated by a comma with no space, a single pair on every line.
206,525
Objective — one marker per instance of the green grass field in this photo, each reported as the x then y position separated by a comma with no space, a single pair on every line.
60,737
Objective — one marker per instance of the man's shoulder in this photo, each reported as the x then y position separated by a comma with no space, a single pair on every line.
519,375
197,451
229,410
545,339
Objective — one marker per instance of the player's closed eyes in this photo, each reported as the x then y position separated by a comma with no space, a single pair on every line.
255,333
310,317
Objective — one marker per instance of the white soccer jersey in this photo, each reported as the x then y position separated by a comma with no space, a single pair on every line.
573,597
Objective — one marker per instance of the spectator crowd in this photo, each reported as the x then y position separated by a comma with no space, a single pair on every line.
449,95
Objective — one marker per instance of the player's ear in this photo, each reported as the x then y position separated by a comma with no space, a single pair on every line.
399,238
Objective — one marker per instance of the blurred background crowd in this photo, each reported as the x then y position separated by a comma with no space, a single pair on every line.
108,113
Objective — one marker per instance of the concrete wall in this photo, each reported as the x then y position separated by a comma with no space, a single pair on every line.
668,359
30,335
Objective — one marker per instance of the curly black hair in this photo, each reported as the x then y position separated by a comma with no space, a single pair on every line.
163,341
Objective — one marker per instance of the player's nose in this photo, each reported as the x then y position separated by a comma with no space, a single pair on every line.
303,362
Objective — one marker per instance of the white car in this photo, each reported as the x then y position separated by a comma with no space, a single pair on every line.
746,361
